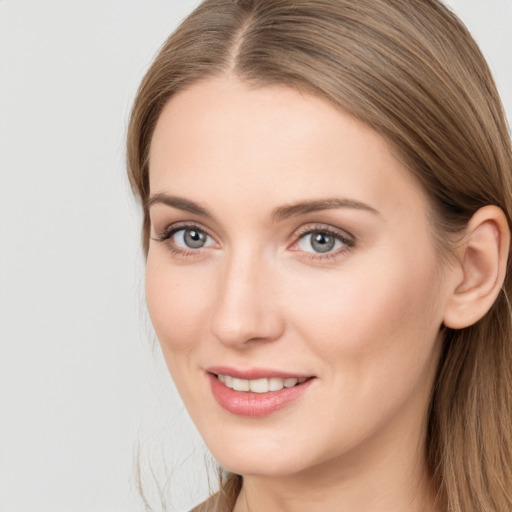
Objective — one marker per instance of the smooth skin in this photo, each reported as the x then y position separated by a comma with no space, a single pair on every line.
235,277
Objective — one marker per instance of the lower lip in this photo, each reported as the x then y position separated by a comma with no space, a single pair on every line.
254,405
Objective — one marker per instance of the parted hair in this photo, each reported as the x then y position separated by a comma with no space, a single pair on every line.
410,70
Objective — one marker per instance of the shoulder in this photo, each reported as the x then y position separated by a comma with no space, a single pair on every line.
212,504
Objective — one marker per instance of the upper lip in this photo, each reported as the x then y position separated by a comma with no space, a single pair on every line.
255,373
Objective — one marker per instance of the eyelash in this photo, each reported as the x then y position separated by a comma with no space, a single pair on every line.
347,241
171,231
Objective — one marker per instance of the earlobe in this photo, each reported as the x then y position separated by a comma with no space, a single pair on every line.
483,261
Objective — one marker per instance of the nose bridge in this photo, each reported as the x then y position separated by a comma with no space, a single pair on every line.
244,310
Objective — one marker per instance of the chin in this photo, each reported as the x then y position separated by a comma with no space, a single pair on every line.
260,459
261,465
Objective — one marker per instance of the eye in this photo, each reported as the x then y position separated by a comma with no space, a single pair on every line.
185,240
190,238
322,241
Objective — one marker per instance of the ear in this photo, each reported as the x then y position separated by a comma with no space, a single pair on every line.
483,260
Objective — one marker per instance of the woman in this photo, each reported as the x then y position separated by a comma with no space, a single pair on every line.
326,189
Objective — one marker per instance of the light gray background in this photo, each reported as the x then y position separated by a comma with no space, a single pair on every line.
81,389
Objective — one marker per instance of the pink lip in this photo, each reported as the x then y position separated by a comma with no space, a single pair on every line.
254,373
254,405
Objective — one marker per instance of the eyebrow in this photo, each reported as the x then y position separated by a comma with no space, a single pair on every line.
304,207
279,214
180,203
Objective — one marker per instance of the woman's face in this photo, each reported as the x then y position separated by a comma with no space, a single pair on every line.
289,247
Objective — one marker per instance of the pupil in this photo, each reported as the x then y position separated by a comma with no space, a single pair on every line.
322,242
194,239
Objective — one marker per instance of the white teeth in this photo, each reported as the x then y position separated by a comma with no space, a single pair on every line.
289,383
275,384
240,384
260,385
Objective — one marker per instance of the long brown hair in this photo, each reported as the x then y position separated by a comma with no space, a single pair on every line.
411,71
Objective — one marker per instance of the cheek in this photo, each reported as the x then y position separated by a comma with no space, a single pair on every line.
371,320
177,303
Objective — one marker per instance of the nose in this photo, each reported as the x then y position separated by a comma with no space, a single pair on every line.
246,309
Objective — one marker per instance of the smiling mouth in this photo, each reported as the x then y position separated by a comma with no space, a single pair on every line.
262,395
264,385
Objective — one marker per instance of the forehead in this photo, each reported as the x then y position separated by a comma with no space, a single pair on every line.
221,136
